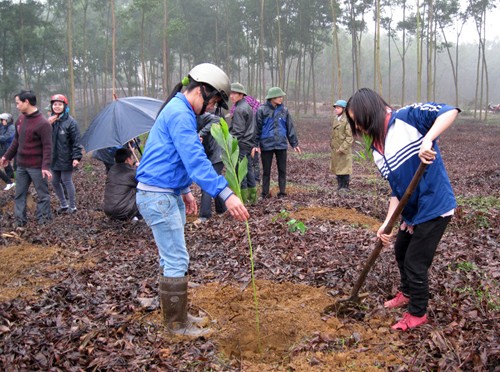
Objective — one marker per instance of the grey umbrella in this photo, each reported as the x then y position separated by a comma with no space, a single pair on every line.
121,121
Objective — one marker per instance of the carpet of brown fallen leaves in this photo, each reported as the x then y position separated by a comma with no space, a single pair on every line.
81,293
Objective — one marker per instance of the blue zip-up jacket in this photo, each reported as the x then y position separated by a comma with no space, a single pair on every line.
407,127
275,128
174,156
7,133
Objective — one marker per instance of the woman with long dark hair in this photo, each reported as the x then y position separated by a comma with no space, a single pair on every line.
401,140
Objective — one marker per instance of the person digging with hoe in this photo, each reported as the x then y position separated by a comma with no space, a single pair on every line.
173,158
403,139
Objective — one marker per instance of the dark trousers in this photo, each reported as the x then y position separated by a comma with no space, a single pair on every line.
4,177
206,199
414,255
24,178
63,181
343,181
249,180
256,166
267,160
8,175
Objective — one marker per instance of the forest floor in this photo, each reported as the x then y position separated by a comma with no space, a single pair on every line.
81,293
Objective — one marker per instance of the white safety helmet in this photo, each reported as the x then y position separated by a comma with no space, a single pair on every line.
212,75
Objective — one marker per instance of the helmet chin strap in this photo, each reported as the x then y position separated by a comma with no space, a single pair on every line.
206,98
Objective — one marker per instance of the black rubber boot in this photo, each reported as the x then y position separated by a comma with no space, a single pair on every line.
347,180
339,182
173,302
344,181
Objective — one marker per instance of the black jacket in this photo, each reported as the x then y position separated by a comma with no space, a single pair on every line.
119,192
243,125
212,149
65,144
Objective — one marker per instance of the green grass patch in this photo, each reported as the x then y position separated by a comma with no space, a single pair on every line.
478,209
313,155
479,203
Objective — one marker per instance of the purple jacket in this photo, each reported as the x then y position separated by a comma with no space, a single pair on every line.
32,143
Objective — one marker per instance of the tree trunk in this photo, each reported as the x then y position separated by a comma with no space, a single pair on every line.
261,47
377,76
419,54
389,66
430,48
113,49
278,47
69,39
22,57
143,56
313,75
85,64
403,62
336,70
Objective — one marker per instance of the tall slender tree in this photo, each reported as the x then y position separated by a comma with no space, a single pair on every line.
69,38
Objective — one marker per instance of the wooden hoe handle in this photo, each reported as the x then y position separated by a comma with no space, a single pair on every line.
388,228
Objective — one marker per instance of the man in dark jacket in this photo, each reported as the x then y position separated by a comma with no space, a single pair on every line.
120,189
243,128
214,154
32,147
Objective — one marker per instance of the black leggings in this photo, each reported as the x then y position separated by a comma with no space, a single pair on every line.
8,175
414,255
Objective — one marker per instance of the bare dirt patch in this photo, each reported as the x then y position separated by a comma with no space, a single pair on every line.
337,214
18,269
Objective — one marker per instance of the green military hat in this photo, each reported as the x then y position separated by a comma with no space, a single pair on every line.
238,88
275,92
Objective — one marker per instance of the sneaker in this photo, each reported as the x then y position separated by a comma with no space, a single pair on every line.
200,220
410,321
72,210
62,210
398,301
9,186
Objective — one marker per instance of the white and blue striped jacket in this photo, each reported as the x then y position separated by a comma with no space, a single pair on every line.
399,162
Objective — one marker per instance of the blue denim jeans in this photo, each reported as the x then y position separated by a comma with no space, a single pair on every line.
165,214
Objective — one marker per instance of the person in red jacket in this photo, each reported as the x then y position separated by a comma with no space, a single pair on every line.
32,146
